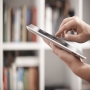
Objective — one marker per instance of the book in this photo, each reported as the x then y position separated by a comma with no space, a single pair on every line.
15,21
5,23
23,23
12,24
55,16
33,78
34,22
10,77
48,19
14,76
5,78
25,79
17,25
8,24
20,78
29,21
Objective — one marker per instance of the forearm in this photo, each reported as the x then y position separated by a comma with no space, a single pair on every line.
81,69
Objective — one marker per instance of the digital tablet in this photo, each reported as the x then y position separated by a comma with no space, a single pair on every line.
55,40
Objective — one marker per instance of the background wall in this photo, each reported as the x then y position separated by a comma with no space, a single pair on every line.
86,11
57,72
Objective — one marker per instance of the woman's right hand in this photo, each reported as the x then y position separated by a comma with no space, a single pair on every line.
81,28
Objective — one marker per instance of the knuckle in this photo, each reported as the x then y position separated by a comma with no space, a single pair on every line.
64,20
65,26
75,16
75,19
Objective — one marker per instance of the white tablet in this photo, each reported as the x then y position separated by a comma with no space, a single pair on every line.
57,41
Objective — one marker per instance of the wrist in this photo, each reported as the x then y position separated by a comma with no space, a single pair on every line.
89,32
74,66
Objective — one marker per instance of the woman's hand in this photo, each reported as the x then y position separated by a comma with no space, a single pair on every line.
83,34
62,54
74,23
79,68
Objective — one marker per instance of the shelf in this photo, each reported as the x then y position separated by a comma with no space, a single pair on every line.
27,62
21,46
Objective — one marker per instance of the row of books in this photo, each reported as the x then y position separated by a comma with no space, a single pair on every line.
23,74
15,21
54,17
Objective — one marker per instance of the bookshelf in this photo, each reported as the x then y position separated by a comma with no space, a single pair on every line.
44,52
16,46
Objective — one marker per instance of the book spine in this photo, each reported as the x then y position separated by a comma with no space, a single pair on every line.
8,24
28,21
8,79
14,72
11,81
24,32
55,16
33,78
12,24
20,79
34,21
5,80
48,19
25,79
17,27
5,24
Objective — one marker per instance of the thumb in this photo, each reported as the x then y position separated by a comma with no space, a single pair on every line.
71,37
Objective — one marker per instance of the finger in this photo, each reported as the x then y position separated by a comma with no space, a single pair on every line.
66,31
71,37
47,42
55,49
67,27
66,20
61,53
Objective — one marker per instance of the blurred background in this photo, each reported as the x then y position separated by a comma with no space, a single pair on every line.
26,62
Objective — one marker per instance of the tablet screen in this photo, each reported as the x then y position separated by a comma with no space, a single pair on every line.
53,37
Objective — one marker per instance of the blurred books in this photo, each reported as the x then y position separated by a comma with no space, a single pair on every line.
15,21
21,72
55,13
